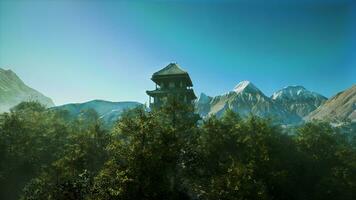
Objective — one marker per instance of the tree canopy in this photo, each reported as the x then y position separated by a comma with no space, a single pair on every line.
166,154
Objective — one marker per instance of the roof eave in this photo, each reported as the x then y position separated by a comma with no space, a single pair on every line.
155,78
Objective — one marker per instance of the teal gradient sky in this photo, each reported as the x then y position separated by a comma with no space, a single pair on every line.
74,51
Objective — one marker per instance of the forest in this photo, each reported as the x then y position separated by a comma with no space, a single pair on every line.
165,154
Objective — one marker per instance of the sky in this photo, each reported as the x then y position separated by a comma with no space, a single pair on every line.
76,51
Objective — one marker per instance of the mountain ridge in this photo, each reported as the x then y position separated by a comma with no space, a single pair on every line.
246,99
108,111
340,107
13,91
290,105
298,100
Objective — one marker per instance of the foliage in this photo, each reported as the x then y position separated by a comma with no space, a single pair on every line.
148,155
164,154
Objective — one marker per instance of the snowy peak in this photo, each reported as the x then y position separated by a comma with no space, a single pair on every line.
288,105
295,92
298,100
246,86
245,99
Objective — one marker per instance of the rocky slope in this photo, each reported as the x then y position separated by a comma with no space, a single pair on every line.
339,108
202,105
13,91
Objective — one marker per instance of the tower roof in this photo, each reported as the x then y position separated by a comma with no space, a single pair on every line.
172,71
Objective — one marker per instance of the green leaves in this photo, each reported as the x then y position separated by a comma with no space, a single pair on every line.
329,161
164,154
148,156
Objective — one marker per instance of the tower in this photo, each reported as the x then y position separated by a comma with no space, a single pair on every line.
171,82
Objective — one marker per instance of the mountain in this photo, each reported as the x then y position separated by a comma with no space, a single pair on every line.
13,91
338,108
245,99
202,105
298,100
108,111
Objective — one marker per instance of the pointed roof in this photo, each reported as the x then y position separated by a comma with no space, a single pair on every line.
171,69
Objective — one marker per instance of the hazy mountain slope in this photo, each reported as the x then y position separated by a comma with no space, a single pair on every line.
13,91
246,99
108,111
202,105
339,108
298,100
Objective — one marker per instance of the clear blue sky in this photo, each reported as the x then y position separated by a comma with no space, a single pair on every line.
74,51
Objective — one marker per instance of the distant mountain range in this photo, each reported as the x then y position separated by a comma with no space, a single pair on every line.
245,99
108,111
290,105
13,91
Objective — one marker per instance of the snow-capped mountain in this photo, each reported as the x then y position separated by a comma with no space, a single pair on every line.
298,100
13,91
246,87
339,108
108,111
246,99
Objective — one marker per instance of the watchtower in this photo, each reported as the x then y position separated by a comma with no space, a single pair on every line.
171,82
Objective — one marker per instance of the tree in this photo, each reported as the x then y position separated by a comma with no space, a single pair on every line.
71,175
329,164
30,138
244,159
163,154
148,155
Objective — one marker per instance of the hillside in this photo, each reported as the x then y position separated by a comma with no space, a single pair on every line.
13,91
338,108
